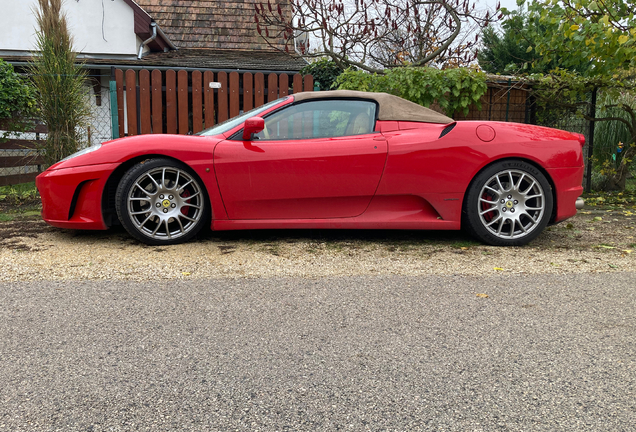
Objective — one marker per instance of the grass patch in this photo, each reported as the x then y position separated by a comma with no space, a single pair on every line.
20,201
17,194
464,244
31,213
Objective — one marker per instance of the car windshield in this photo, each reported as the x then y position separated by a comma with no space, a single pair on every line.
235,121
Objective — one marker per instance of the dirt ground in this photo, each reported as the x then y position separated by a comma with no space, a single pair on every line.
595,240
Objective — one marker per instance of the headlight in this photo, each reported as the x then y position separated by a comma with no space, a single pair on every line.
83,152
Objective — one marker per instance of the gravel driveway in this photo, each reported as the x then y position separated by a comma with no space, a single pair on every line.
593,241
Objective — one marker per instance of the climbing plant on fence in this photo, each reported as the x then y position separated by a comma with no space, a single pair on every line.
453,90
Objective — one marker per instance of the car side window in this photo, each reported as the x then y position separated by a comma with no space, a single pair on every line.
320,119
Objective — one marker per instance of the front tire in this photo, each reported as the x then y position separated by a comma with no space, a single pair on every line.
162,202
508,204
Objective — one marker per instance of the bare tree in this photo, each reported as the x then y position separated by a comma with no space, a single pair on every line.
376,34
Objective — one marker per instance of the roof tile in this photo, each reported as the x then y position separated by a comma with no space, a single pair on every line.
188,23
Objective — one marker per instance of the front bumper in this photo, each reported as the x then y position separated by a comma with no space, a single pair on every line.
72,197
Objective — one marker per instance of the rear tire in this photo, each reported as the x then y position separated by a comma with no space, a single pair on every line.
508,204
162,202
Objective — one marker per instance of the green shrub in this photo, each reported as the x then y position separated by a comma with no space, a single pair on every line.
17,95
324,71
454,90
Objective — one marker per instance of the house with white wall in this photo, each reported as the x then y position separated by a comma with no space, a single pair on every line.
148,34
107,31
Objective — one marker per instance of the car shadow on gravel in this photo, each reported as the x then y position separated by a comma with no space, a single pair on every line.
582,231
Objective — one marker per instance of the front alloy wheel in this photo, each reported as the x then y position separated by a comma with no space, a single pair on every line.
161,202
508,204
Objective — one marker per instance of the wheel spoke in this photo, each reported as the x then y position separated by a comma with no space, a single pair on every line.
488,211
167,229
180,224
188,218
182,187
494,221
489,202
501,224
139,212
139,199
520,180
154,181
499,183
529,189
176,182
145,220
494,190
144,190
156,228
191,196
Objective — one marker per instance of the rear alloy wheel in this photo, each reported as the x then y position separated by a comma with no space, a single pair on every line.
508,204
160,202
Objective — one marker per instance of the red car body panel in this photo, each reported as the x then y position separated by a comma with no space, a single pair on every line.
58,187
322,178
401,176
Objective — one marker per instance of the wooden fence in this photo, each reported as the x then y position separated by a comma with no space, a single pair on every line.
184,102
13,167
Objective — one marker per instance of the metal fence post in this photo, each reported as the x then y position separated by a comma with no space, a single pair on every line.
114,118
590,144
508,101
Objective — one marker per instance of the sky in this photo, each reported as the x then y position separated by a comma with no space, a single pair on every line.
509,4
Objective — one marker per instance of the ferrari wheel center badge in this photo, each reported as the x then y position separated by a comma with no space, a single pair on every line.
166,203
509,204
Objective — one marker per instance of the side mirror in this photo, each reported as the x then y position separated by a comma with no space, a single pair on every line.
252,125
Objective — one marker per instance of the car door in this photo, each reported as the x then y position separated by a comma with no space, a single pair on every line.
315,159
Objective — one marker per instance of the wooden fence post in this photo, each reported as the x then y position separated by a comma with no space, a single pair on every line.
131,101
197,103
272,87
208,77
248,92
222,95
157,102
297,83
283,85
144,102
182,77
259,90
171,101
119,82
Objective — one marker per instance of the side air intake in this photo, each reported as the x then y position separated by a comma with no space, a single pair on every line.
447,129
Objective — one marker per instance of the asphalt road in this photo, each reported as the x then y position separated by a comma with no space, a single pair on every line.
550,352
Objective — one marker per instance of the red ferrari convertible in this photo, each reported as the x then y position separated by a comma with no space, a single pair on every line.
333,159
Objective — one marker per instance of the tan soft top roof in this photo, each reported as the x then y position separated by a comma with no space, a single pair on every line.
391,107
